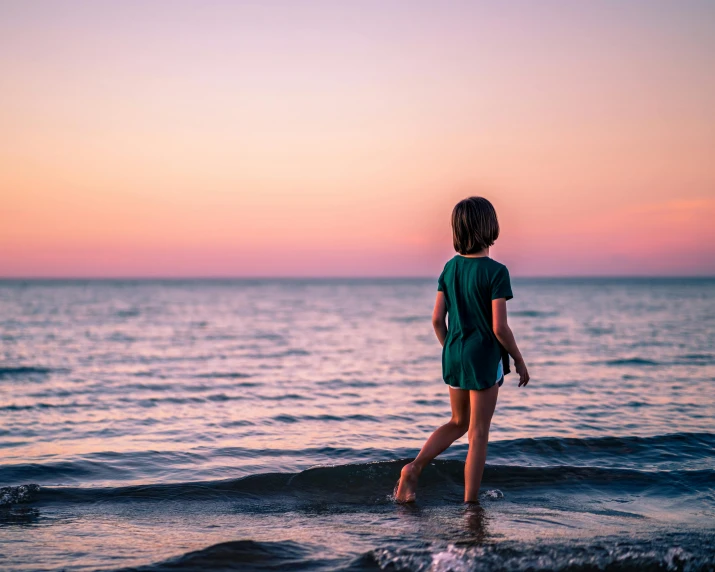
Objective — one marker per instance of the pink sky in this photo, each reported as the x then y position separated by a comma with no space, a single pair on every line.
333,138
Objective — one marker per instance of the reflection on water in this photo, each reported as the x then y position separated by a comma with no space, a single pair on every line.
476,520
18,516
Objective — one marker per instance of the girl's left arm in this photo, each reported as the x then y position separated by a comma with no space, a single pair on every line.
439,318
506,338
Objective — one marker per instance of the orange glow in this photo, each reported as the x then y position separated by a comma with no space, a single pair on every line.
330,139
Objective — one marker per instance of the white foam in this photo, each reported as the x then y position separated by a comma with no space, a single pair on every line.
14,495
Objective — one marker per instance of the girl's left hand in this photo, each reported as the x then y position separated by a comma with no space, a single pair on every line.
522,371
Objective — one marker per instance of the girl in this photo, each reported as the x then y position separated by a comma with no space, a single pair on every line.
472,290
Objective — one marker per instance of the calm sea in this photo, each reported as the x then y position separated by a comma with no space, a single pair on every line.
210,425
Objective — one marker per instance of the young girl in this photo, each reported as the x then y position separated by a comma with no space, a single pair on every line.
472,290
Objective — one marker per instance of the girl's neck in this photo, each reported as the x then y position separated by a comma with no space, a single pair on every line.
481,254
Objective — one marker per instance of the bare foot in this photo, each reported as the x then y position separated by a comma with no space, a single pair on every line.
407,486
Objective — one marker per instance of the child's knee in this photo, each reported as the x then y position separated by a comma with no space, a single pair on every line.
478,433
461,423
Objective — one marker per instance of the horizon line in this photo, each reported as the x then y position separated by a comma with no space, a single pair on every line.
339,277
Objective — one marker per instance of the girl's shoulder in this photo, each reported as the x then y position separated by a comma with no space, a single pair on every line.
484,261
496,271
496,265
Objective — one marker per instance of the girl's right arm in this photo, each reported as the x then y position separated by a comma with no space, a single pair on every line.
439,318
506,338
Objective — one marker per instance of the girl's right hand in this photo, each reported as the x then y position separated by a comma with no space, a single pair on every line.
520,367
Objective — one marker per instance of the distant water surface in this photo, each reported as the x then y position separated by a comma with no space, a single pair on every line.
241,424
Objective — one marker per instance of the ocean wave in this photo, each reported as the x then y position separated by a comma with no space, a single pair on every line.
532,314
623,451
18,495
628,361
286,418
240,555
660,453
344,383
410,319
128,313
42,406
688,359
277,355
369,483
223,375
172,387
672,552
23,371
676,552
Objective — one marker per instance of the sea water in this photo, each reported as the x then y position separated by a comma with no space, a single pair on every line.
262,424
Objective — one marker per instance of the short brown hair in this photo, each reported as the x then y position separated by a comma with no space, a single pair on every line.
474,225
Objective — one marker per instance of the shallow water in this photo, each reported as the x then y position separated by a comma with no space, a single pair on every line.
261,424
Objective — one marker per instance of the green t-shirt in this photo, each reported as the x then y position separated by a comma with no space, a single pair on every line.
471,353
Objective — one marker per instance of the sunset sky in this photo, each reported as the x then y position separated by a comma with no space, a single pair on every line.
262,138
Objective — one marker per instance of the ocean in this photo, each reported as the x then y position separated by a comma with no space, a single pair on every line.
262,425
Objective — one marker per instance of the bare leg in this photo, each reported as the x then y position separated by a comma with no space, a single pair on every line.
482,405
442,438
